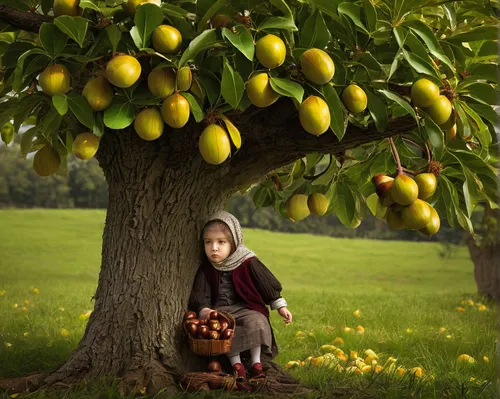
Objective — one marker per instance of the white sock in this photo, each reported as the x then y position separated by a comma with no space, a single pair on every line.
234,359
255,354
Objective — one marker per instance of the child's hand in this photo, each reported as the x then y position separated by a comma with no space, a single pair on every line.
286,314
205,313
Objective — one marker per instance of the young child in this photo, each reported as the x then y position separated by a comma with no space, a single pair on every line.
232,279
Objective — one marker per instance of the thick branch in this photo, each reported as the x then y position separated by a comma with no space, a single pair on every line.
27,21
274,137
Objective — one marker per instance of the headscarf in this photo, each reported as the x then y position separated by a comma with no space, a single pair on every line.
241,252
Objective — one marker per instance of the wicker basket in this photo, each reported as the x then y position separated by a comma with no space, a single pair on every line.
211,347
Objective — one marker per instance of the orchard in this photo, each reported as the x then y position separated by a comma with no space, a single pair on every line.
352,108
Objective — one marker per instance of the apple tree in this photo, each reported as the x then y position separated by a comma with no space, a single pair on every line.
342,107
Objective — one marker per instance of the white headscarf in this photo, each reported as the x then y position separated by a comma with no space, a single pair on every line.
241,252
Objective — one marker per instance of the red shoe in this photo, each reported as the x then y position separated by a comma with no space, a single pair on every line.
256,371
239,371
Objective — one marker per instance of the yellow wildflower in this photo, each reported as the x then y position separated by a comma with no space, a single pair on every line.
35,291
64,332
338,341
8,345
356,313
26,334
2,293
360,330
460,309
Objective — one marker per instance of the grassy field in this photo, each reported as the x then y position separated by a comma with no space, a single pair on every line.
405,292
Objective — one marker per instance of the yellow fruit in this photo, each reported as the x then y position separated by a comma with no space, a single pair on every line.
259,91
98,93
161,82
7,133
85,146
132,4
424,93
66,7
427,185
270,51
175,111
356,313
452,120
317,66
297,208
314,115
394,219
354,99
466,358
338,341
214,144
360,330
482,308
417,215
451,133
317,203
184,79
417,371
54,79
167,39
400,371
404,190
148,124
439,110
434,224
46,161
123,71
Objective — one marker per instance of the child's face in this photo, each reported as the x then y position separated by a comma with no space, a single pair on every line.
217,246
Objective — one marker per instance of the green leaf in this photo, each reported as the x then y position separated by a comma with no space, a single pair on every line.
371,15
449,10
81,108
174,11
435,137
263,197
201,42
147,18
27,140
282,6
211,85
119,115
327,175
337,121
485,111
98,128
60,103
314,33
375,206
353,11
241,38
401,101
210,13
486,72
483,92
278,23
23,56
114,35
50,122
481,131
28,105
232,85
344,203
287,88
51,39
420,65
476,34
195,108
378,110
89,4
74,27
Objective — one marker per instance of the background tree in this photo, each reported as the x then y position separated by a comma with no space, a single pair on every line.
102,69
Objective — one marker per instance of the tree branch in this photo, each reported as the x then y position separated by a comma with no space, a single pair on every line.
274,137
27,21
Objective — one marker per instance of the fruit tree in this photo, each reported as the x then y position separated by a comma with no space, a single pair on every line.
330,106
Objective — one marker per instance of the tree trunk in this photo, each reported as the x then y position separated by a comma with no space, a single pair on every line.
485,255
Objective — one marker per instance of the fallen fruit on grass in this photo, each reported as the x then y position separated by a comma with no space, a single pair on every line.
404,190
460,309
214,144
317,203
354,99
296,207
424,93
356,313
417,371
54,79
270,51
98,93
123,71
481,308
427,184
360,330
46,161
417,215
175,111
149,124
167,39
439,110
317,66
314,115
85,146
466,359
259,91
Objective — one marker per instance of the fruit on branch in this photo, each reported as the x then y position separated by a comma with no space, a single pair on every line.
424,93
451,133
184,79
417,215
452,120
54,79
380,178
394,219
46,161
214,144
132,4
149,124
98,93
404,190
317,203
383,184
259,91
167,39
314,115
85,145
175,111
7,133
434,224
296,207
354,223
354,99
439,110
317,66
161,82
67,7
270,51
427,184
123,71
220,21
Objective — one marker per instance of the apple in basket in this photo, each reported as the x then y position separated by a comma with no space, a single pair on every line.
203,332
192,328
193,320
227,333
189,315
214,315
213,334
214,366
223,325
214,325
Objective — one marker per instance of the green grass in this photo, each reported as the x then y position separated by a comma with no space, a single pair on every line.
396,286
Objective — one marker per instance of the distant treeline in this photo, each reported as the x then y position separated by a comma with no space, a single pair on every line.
85,187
